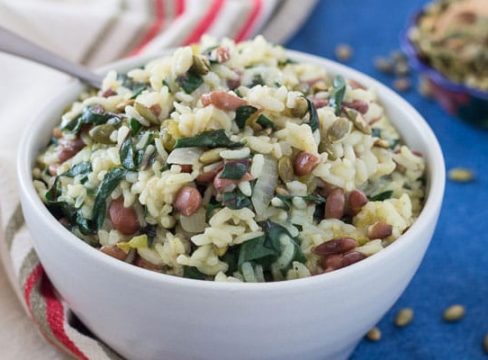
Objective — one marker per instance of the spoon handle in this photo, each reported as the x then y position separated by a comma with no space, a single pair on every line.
16,45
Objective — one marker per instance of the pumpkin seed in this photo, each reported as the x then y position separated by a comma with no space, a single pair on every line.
424,87
319,86
382,143
327,148
285,169
404,317
339,130
200,65
300,109
459,174
343,52
211,156
220,251
454,313
358,121
281,191
383,65
146,113
169,142
101,133
402,84
374,334
121,106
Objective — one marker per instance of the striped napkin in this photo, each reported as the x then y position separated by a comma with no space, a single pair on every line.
94,32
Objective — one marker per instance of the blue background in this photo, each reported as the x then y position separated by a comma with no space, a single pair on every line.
455,269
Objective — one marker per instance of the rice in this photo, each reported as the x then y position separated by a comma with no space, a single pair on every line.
289,170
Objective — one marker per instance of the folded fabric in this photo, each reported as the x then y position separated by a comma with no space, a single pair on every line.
94,32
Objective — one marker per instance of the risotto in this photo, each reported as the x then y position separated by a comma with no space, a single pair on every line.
231,162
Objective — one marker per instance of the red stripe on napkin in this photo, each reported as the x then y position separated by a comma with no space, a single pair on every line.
180,7
155,27
31,281
205,23
55,319
245,31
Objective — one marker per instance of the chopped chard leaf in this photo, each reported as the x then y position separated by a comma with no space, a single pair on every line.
209,139
313,116
110,181
381,196
243,113
135,126
190,82
127,154
233,170
265,122
192,272
338,92
78,169
235,200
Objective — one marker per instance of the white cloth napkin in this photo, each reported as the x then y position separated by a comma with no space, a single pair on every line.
94,32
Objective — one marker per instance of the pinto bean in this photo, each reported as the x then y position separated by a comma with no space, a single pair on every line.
222,100
188,200
210,175
233,83
305,163
356,84
52,169
356,201
358,105
332,262
335,246
124,219
379,230
186,168
319,102
114,251
142,263
223,54
334,206
352,257
338,261
109,92
228,184
69,148
325,188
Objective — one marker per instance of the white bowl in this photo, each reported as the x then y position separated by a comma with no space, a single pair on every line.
146,315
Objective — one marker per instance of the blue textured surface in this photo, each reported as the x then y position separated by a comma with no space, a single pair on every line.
455,269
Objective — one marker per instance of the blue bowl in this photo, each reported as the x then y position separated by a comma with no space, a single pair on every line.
462,101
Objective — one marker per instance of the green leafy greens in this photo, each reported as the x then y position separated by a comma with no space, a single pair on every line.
233,170
78,169
189,82
338,92
110,181
243,113
210,139
313,116
381,196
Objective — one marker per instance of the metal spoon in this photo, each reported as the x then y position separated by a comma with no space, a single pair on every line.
16,45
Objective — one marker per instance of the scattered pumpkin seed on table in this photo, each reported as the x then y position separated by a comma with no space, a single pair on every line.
460,174
454,313
374,334
404,317
402,84
383,65
343,52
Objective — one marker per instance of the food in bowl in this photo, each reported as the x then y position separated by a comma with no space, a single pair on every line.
452,35
231,162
